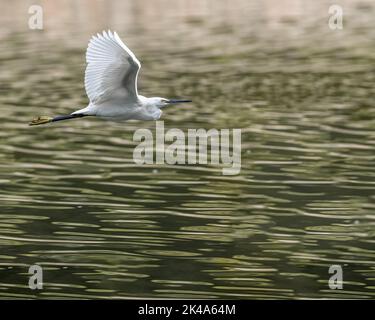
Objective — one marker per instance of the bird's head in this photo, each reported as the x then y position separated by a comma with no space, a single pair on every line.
163,102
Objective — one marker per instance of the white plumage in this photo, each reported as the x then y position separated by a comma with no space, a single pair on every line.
112,69
111,84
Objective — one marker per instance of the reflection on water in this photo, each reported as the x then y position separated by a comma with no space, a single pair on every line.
73,201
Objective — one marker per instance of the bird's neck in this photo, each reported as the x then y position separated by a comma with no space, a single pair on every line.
149,103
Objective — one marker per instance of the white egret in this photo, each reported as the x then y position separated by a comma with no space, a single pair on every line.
111,84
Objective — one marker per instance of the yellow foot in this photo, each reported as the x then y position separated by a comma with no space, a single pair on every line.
40,120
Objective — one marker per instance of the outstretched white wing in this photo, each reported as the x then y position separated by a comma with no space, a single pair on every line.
112,70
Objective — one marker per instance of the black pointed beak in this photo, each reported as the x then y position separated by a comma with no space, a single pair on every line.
173,101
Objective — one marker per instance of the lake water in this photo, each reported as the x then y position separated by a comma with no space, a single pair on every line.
73,201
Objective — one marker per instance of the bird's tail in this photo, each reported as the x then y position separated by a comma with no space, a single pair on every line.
45,119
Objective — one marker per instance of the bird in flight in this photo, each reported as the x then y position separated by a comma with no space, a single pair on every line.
111,85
